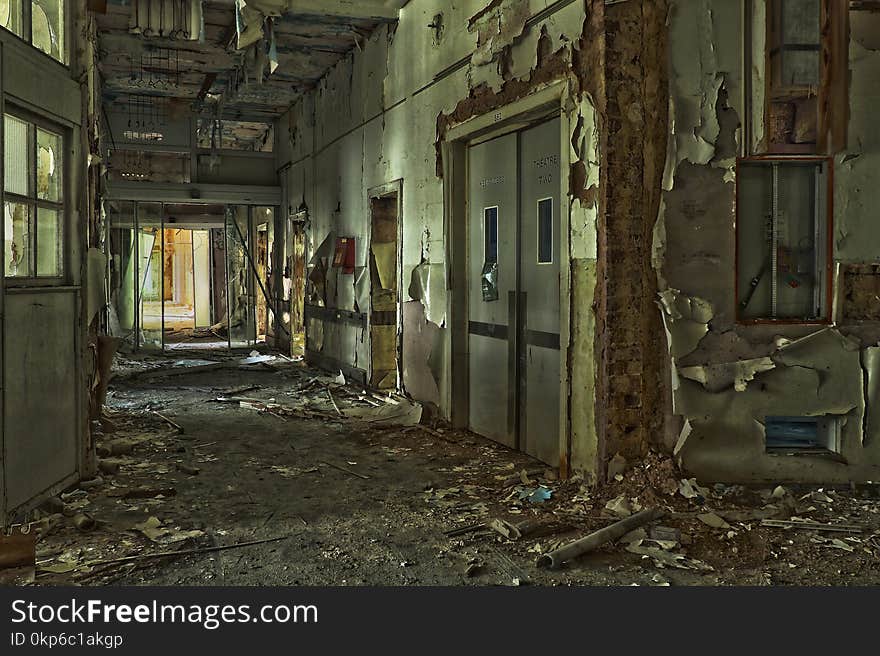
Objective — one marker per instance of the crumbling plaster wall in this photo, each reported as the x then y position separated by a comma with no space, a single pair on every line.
380,116
855,172
727,378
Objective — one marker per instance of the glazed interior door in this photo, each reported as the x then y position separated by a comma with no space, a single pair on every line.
240,283
513,290
492,262
151,275
383,292
295,279
539,369
122,237
201,240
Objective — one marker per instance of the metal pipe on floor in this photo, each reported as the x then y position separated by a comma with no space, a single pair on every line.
598,538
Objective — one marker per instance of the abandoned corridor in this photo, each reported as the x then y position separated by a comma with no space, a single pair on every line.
196,455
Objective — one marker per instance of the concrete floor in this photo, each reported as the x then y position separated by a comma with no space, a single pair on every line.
357,504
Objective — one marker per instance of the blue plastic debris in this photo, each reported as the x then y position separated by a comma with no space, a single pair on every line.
535,495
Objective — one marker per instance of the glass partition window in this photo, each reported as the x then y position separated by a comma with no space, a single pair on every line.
34,201
40,22
783,240
795,43
12,17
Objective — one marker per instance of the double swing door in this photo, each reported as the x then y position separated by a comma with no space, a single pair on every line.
513,290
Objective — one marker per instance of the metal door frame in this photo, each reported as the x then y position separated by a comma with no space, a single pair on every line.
250,340
137,201
550,102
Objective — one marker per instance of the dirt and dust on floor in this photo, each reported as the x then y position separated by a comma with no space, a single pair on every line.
253,469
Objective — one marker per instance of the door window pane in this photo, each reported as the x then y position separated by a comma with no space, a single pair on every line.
490,220
800,22
15,153
800,68
11,16
795,42
49,185
47,24
34,222
16,248
545,231
48,243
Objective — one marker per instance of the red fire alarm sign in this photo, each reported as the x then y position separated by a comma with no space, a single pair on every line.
344,257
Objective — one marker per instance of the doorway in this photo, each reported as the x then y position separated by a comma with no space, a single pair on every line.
264,223
294,282
183,312
513,313
384,287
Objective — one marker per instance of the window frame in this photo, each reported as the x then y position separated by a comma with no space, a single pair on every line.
832,93
828,319
27,32
774,18
35,122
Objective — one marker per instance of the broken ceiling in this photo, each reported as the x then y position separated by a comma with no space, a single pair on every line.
248,59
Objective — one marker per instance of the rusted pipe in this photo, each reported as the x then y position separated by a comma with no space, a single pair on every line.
597,539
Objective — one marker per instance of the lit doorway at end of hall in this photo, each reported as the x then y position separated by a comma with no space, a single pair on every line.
186,276
177,292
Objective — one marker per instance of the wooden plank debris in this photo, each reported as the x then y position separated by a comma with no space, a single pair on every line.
812,526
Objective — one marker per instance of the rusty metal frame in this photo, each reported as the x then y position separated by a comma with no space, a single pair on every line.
829,234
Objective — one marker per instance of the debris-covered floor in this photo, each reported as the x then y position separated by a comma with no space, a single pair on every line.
263,455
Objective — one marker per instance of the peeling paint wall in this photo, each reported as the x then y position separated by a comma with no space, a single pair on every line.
855,174
728,378
381,115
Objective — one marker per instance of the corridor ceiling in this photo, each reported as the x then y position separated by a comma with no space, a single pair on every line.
224,70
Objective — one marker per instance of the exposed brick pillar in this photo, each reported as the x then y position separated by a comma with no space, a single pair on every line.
630,348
